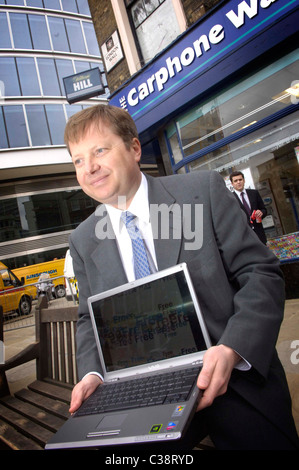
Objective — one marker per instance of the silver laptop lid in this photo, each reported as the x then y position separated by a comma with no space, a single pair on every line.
149,324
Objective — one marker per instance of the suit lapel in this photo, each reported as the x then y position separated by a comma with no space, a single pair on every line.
251,197
166,223
105,255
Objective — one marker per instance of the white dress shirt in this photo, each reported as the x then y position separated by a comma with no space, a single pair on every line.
245,196
139,207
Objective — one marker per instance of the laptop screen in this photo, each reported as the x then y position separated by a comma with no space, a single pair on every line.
148,323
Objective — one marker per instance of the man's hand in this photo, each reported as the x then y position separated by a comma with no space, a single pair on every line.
258,214
218,363
83,390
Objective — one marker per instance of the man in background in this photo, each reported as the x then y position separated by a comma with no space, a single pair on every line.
251,203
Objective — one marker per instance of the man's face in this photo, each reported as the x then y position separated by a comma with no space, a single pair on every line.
105,168
238,182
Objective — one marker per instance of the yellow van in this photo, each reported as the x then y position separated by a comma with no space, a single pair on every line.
32,273
14,296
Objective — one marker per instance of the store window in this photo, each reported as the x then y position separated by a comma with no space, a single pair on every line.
155,25
239,108
253,127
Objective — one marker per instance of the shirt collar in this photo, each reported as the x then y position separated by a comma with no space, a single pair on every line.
239,192
139,207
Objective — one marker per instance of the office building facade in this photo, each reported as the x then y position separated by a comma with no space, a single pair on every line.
41,43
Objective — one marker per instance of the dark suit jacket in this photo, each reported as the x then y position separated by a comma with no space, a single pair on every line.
237,279
256,202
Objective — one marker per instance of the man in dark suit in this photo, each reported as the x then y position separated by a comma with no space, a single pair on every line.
245,402
251,203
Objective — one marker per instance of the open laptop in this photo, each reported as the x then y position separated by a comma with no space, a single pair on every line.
144,329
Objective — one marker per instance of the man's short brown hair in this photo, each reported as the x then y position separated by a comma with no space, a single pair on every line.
119,120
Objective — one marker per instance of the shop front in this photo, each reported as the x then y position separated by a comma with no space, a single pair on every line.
225,97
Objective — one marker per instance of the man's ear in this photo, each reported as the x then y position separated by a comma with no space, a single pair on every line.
136,146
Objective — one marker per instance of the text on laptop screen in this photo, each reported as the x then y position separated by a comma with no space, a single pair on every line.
148,323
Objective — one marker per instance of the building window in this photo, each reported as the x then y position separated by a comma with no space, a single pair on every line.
64,69
39,32
56,120
31,32
20,76
75,36
72,6
42,122
28,76
91,40
38,127
69,5
3,137
9,76
49,77
155,25
58,34
83,7
15,2
52,4
20,31
4,36
16,126
35,3
24,216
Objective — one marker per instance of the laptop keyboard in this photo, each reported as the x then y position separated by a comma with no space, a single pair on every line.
171,387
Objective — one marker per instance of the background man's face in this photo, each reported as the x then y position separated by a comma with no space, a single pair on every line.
238,182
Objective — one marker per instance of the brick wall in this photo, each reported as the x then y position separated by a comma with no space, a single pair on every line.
105,24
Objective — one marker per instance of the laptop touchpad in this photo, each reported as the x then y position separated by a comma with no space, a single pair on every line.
112,421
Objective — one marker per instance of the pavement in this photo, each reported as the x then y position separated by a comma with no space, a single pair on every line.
287,346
